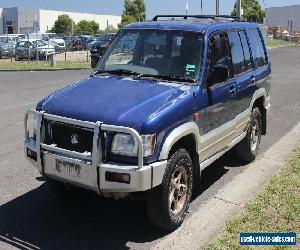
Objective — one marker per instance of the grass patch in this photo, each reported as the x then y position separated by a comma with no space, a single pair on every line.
43,65
278,43
275,210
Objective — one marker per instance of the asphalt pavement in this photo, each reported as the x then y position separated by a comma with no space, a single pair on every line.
30,218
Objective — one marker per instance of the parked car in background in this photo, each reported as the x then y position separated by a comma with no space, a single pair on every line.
6,50
87,40
74,43
11,40
7,47
98,47
52,38
30,48
57,42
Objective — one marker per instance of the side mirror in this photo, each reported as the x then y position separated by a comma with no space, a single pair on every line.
219,74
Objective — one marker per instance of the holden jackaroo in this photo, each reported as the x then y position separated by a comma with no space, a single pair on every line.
168,98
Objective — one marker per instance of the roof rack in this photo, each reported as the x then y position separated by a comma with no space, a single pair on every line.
215,17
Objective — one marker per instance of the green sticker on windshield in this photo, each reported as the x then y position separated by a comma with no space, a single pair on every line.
190,67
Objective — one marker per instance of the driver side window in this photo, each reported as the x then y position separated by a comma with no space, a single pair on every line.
219,69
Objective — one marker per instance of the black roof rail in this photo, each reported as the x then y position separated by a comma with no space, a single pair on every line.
215,17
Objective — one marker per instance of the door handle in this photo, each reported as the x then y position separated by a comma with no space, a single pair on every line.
252,79
232,90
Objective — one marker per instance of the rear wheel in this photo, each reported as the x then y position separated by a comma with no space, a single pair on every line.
168,203
247,149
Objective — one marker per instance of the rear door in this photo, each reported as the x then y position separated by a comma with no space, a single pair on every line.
244,76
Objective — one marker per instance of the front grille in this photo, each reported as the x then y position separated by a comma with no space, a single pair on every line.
70,137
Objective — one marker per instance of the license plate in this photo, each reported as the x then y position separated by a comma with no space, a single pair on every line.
68,168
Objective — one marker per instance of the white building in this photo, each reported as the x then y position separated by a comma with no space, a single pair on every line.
288,16
15,20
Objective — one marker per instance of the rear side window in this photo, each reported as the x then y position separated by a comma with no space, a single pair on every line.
237,52
246,49
259,53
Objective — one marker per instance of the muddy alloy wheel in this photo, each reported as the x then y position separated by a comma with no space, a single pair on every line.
168,203
178,190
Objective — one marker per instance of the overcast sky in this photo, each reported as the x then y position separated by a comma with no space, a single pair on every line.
115,7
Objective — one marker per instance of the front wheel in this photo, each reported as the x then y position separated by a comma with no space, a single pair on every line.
247,149
168,203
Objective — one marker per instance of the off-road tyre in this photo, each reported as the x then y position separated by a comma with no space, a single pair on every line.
159,204
247,149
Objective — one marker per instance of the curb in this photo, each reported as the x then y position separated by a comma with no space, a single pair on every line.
208,221
40,70
282,46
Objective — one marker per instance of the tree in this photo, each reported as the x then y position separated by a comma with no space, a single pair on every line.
252,11
111,29
85,27
64,25
134,11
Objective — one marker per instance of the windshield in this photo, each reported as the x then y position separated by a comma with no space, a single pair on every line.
155,53
51,35
40,43
15,39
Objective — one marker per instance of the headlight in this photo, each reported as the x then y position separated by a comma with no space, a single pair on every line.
35,122
32,126
126,145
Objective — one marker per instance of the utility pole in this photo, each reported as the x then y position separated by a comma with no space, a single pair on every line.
217,7
187,8
239,8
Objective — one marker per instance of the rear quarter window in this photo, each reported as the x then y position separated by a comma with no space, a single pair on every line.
258,48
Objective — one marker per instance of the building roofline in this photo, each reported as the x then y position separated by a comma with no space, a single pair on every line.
277,7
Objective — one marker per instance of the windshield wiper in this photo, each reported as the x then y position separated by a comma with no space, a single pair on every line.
166,77
118,72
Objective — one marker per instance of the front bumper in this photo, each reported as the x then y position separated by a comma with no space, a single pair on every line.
268,104
93,171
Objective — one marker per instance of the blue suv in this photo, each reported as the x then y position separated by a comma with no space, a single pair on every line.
168,98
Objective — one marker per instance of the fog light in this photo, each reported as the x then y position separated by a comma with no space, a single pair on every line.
32,154
117,177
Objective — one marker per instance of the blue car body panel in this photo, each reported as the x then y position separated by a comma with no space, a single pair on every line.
118,101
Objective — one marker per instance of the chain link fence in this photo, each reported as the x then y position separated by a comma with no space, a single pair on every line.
25,55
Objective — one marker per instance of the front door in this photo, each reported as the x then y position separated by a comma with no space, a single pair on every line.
217,126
